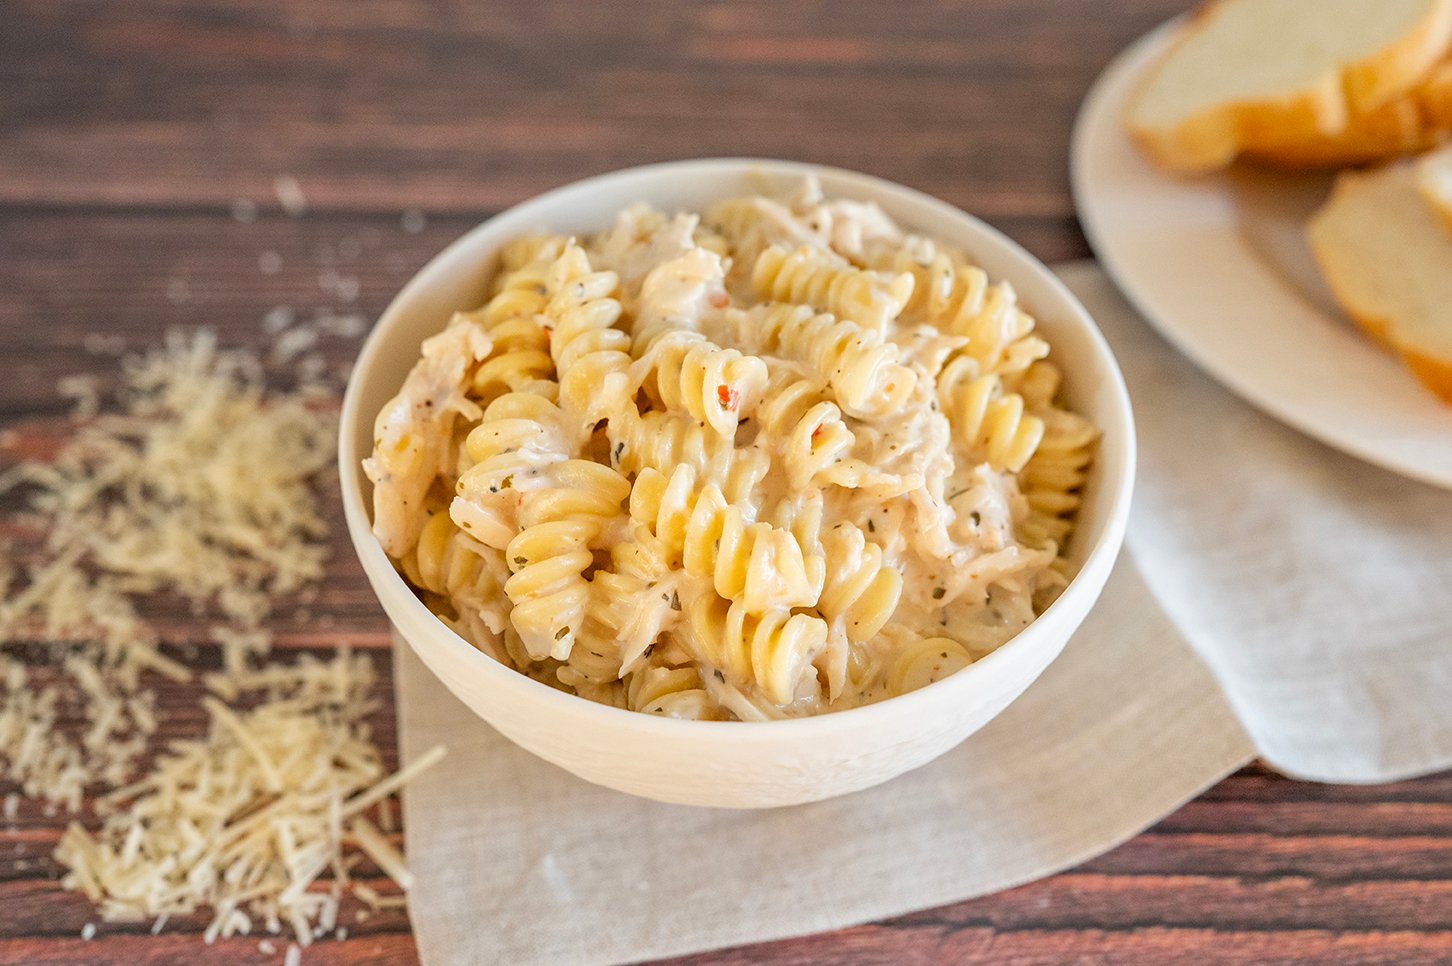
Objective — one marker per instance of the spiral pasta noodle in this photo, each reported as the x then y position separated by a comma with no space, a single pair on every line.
590,354
934,271
751,224
780,460
638,597
808,427
446,562
524,252
772,651
519,358
811,277
988,420
862,589
559,526
519,434
761,565
1000,334
859,366
675,692
713,385
663,441
924,661
1054,478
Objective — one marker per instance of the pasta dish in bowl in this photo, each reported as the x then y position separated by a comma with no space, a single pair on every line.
736,441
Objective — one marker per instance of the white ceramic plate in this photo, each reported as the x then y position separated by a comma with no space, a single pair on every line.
1219,266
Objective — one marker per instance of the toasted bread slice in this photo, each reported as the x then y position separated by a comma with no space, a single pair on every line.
1408,124
1252,71
1434,178
1434,96
1392,130
1389,262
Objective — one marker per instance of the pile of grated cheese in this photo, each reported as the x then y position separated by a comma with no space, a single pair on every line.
246,820
202,486
56,764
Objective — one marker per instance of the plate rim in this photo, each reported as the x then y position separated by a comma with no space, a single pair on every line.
1101,106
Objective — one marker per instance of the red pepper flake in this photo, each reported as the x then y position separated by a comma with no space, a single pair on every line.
728,398
818,431
718,300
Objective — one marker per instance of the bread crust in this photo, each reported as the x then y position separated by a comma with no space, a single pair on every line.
1319,112
1432,371
1394,129
1413,122
1434,182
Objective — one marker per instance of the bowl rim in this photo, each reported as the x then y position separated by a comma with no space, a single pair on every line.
378,568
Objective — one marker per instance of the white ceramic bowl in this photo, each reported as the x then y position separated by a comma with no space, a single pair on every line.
736,764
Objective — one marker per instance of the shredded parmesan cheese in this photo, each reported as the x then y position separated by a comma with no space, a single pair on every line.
247,821
203,487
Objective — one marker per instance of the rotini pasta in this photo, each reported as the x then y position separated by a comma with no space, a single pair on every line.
924,661
810,276
675,692
560,524
781,460
758,564
469,575
589,352
1054,477
808,427
859,366
772,651
713,385
999,333
663,441
934,271
988,421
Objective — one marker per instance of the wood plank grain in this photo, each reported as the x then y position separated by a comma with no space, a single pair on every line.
1155,946
37,908
127,132
378,105
110,949
1257,856
70,277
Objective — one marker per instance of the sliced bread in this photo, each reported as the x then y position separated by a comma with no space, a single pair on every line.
1396,128
1434,95
1409,123
1434,178
1251,71
1389,263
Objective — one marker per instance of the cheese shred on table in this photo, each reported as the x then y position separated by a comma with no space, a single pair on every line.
201,487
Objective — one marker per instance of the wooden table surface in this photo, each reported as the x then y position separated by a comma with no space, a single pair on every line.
128,132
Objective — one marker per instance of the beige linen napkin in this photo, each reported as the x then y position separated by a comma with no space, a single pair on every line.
1315,587
516,861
